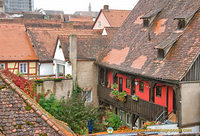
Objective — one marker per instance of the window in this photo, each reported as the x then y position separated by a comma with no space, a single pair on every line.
181,24
128,83
141,85
2,66
115,79
99,23
128,119
23,68
87,95
60,70
120,84
146,23
160,54
158,91
121,115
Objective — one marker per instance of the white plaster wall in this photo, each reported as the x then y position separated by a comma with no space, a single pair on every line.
46,69
103,20
68,69
59,53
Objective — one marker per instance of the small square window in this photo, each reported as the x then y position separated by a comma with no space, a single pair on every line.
23,68
128,83
2,66
158,91
88,96
141,85
146,23
181,24
128,119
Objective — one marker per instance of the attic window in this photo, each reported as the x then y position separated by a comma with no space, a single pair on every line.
186,17
145,22
181,24
149,17
161,54
165,46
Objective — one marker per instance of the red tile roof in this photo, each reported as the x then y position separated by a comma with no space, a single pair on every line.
88,46
21,115
15,44
44,40
141,58
116,17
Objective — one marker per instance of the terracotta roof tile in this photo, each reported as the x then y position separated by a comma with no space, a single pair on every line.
16,119
116,17
15,44
89,46
44,40
132,34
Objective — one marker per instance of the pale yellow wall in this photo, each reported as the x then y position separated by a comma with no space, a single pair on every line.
12,65
32,71
103,20
190,103
87,77
32,64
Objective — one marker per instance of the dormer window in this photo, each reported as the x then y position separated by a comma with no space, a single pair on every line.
161,54
185,18
145,23
149,17
165,46
181,24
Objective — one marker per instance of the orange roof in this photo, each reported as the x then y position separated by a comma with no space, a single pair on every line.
15,44
116,17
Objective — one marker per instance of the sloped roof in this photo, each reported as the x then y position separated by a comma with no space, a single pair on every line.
131,51
116,17
15,44
88,46
21,115
44,40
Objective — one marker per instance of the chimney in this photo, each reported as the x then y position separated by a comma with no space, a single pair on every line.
106,7
73,54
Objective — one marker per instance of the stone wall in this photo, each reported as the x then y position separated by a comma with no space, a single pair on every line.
190,104
61,89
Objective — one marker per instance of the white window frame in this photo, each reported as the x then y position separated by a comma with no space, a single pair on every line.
121,117
86,93
2,64
24,72
128,121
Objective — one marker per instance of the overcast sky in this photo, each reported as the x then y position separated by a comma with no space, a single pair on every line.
70,6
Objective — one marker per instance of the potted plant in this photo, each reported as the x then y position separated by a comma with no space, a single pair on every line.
115,93
39,80
122,96
135,97
58,79
68,76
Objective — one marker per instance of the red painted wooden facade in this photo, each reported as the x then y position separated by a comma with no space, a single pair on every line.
165,99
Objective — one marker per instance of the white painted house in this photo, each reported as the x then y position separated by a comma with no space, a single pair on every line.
61,67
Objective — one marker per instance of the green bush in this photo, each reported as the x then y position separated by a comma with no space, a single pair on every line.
73,111
114,121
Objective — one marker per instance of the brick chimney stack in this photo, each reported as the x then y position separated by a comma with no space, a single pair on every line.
106,7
